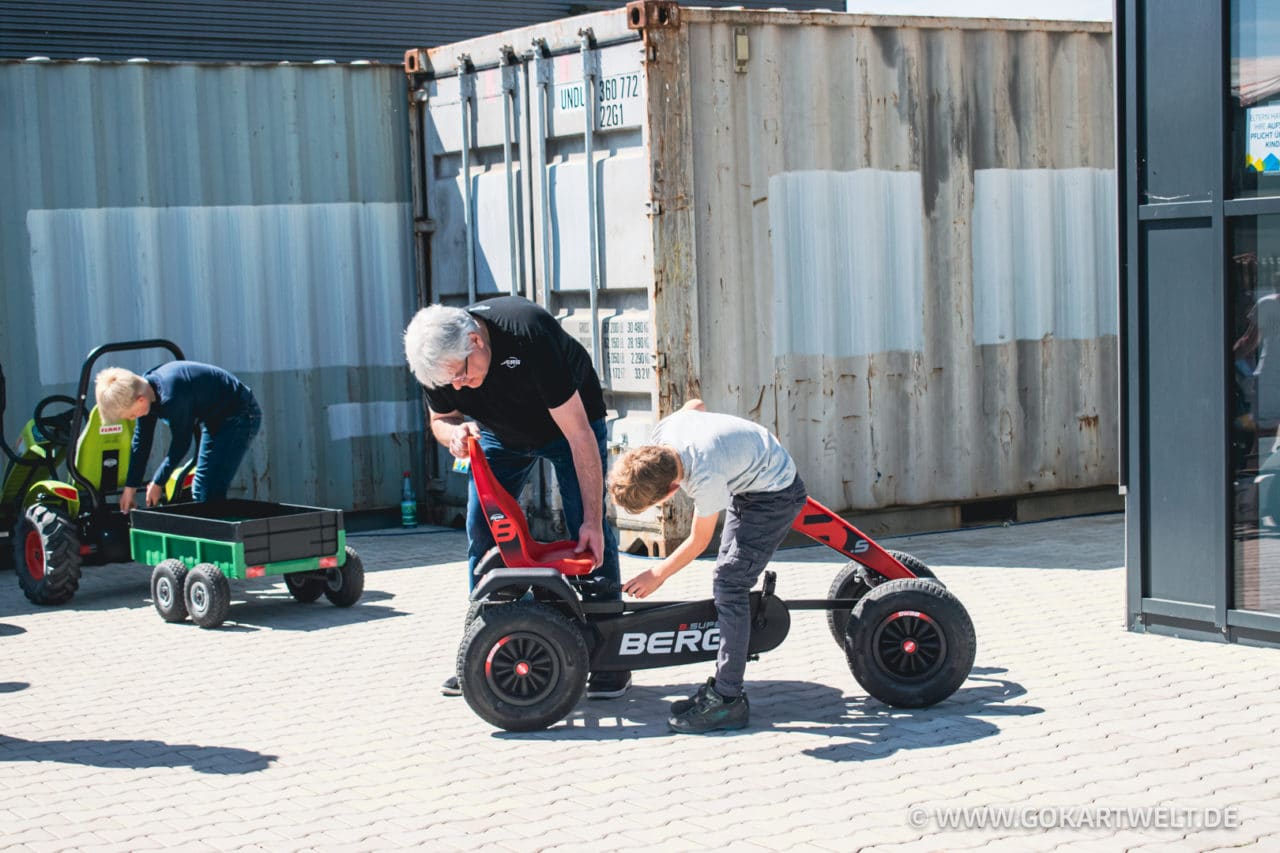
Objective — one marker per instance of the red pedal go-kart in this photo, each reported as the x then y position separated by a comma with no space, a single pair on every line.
536,626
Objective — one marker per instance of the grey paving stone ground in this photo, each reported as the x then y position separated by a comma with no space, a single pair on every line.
305,727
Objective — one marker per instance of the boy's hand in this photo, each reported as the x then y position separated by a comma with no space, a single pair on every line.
126,499
644,584
153,494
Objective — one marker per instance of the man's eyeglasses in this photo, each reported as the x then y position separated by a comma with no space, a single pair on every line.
462,377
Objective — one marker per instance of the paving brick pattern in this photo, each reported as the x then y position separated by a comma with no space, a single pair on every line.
306,727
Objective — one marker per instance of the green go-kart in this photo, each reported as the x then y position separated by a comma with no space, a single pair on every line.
61,525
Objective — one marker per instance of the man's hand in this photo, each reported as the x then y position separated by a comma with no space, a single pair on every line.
154,493
458,441
644,584
591,539
126,499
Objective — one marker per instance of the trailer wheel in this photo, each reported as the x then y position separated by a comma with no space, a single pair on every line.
208,595
345,584
910,643
46,552
304,586
853,581
168,580
523,666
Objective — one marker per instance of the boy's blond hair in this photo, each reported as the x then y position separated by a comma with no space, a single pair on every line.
116,389
643,476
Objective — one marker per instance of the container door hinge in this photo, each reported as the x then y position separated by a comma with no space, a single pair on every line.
653,208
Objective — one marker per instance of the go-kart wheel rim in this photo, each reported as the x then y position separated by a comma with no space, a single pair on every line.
33,549
909,645
522,669
199,602
164,592
333,579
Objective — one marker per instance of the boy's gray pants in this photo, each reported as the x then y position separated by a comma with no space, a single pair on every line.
753,529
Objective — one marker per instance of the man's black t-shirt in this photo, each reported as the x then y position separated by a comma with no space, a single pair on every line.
535,366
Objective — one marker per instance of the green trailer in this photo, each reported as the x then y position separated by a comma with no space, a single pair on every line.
198,548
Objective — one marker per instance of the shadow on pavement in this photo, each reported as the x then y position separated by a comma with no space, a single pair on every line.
136,755
873,730
279,612
13,686
863,728
7,630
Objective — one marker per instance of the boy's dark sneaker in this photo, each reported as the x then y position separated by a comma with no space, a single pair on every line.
711,712
451,687
608,685
679,706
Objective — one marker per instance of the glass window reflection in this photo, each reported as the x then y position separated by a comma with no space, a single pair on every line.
1254,292
1254,99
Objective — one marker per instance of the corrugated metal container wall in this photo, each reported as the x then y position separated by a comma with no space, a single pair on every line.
890,240
272,30
256,215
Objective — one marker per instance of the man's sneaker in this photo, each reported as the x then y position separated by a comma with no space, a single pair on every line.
608,685
711,712
679,706
451,687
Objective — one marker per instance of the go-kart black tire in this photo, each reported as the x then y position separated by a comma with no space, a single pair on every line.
851,582
304,586
523,666
168,590
46,552
345,584
207,595
910,643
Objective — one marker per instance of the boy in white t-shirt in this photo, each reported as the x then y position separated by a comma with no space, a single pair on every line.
727,463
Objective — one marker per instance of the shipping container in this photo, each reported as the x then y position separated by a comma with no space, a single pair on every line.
274,30
256,215
890,240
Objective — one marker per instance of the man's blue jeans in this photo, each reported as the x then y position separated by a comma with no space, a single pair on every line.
221,452
512,469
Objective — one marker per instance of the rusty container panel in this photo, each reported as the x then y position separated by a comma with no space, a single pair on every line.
915,220
890,240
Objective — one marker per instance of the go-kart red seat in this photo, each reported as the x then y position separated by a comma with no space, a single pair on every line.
511,530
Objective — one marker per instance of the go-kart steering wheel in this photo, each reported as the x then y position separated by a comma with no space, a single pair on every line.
56,428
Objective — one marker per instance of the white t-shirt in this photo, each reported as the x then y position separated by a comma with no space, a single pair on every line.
723,456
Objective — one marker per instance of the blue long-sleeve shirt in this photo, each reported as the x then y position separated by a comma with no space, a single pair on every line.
188,393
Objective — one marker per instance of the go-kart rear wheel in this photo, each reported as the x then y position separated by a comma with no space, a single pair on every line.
910,643
47,555
304,586
208,595
167,581
345,584
523,666
853,581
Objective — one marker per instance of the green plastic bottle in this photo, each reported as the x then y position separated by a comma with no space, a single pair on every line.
408,504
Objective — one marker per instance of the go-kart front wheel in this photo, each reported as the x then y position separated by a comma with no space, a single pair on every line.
855,580
910,643
523,666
